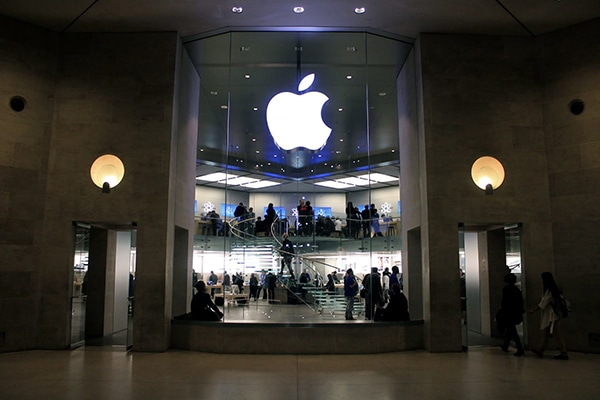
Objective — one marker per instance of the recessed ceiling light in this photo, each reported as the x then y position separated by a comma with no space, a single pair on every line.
360,10
255,108
298,10
341,140
348,76
340,109
382,94
257,151
237,10
351,49
247,76
224,107
214,93
254,139
245,48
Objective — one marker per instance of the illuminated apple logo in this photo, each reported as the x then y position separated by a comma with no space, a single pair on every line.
295,119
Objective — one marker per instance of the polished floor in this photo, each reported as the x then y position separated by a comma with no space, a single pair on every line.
110,373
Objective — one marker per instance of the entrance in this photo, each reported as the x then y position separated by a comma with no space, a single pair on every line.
103,285
486,254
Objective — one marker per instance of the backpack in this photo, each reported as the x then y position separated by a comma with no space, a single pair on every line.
561,306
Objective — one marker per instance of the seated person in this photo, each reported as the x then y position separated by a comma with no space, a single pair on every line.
305,277
203,308
397,308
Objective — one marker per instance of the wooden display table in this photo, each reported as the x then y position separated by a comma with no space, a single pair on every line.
230,298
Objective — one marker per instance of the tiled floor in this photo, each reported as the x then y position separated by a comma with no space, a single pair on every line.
482,373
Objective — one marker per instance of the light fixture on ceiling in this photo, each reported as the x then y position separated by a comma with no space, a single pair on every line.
360,10
298,10
237,10
107,171
247,76
487,173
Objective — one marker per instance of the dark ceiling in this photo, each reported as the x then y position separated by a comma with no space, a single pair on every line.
262,42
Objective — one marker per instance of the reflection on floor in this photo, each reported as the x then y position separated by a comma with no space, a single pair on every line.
482,373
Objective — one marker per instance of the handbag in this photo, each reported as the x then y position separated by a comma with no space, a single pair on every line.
363,293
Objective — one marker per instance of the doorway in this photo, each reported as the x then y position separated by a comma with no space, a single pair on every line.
486,254
103,285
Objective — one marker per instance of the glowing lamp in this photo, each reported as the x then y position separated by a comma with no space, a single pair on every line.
487,173
107,172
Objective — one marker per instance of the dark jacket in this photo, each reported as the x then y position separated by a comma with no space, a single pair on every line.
512,305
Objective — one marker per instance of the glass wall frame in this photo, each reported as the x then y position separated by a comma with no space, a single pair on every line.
240,73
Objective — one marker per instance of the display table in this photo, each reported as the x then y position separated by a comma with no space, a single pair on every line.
233,298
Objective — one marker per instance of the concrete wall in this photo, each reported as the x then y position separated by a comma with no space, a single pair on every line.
27,69
91,94
570,69
476,96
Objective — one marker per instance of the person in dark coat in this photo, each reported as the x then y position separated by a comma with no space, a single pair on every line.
511,311
397,308
374,292
203,308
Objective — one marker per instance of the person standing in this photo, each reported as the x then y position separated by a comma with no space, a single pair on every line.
350,289
550,321
512,310
366,221
374,294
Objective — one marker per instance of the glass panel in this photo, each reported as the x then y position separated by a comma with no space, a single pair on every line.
81,236
245,157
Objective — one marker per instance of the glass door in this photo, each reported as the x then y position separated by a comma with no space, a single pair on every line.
81,239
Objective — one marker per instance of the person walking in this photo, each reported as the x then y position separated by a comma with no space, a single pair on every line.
550,321
512,310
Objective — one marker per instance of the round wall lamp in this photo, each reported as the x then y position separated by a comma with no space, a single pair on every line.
487,173
107,172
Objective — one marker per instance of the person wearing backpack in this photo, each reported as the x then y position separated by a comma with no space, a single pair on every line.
550,321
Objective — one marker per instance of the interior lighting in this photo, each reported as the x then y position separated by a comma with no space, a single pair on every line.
487,173
360,10
107,171
237,10
378,178
298,10
260,184
334,184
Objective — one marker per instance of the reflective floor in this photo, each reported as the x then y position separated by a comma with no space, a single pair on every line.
481,373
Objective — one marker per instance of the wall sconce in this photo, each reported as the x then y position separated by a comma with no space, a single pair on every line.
107,172
487,173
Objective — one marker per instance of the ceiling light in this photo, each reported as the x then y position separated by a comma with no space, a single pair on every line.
245,48
237,10
224,107
260,184
382,94
360,10
354,181
377,177
351,49
247,76
241,180
340,109
214,93
255,108
254,139
215,177
333,184
348,76
298,10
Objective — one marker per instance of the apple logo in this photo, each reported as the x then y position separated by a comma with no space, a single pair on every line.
295,120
